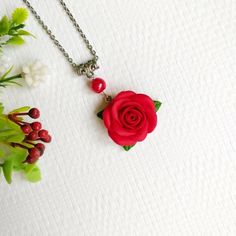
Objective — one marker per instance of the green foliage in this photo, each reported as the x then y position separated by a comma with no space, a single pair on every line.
127,148
15,40
21,109
4,25
7,170
12,153
13,147
13,28
99,114
157,105
19,15
9,131
1,108
32,173
5,81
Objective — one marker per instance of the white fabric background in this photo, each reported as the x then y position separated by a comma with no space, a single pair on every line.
182,179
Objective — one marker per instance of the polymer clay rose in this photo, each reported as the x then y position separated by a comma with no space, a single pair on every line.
130,117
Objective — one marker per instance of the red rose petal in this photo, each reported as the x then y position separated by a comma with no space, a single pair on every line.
107,117
116,106
152,121
121,140
144,100
121,130
124,94
126,120
128,140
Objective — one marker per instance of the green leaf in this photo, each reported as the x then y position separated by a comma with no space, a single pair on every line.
32,173
11,131
4,26
6,73
18,156
8,132
28,145
15,28
127,148
7,170
99,114
15,40
15,154
21,109
2,153
24,32
19,15
157,105
28,168
19,167
1,108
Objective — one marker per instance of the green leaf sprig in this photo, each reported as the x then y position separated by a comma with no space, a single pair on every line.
6,80
11,29
15,145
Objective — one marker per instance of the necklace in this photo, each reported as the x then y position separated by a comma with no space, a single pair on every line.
129,116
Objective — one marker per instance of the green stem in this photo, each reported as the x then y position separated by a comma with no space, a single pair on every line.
9,79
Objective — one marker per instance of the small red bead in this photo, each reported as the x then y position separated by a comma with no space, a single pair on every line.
31,159
33,156
34,113
98,85
34,152
47,139
26,129
32,135
40,147
36,126
43,133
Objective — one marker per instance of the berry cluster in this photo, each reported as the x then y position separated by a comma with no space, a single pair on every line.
33,134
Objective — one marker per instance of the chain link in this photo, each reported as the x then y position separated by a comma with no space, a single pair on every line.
58,44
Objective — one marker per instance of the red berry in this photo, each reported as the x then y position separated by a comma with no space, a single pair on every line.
98,85
36,126
47,139
40,147
26,129
34,113
34,152
32,135
43,133
31,159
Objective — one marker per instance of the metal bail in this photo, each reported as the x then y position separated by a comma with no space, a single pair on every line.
87,68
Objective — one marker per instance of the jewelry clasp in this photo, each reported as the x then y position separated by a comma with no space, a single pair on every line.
87,68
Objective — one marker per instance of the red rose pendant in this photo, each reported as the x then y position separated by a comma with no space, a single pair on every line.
129,117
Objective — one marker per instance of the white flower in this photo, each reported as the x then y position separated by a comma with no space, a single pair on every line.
34,73
4,64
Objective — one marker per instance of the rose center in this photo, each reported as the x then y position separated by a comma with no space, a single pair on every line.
131,117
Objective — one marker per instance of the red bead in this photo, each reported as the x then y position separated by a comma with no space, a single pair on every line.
40,146
34,113
36,126
43,133
47,139
34,152
26,129
31,159
32,135
98,85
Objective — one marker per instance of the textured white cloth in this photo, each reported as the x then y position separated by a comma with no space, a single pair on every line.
182,179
